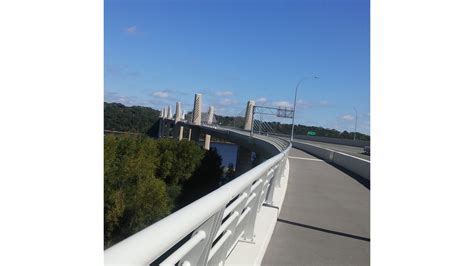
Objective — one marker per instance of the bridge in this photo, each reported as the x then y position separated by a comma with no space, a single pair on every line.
307,202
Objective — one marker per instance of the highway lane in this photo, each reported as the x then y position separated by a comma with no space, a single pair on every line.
325,217
351,150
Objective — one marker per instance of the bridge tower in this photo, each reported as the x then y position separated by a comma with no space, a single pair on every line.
249,115
210,117
197,109
170,114
161,123
194,133
178,130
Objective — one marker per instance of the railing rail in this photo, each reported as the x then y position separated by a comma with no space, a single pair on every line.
214,222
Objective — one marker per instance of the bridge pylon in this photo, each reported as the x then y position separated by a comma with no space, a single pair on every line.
194,135
170,114
178,130
249,115
207,139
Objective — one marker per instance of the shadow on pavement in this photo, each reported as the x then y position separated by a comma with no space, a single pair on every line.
324,230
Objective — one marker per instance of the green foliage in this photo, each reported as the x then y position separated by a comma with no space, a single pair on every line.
204,180
210,170
230,172
138,119
231,121
178,161
143,178
150,203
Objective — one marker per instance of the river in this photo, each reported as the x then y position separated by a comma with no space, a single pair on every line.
228,152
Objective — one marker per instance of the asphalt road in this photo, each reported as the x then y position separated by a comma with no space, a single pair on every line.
325,217
351,150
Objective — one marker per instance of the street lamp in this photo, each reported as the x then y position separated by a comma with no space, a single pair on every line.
294,103
355,128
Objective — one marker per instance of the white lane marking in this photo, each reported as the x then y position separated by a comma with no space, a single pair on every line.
334,151
302,158
353,156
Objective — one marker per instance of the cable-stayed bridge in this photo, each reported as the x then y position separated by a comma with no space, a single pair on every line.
305,203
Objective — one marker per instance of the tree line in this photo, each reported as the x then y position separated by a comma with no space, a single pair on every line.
135,119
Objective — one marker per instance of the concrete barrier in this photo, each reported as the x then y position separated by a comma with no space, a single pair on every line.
347,142
356,165
353,164
324,154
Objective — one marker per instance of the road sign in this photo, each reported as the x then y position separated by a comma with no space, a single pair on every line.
284,112
311,133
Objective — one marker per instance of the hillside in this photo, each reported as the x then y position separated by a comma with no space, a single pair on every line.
137,119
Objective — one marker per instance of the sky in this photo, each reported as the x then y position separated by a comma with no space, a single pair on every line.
160,52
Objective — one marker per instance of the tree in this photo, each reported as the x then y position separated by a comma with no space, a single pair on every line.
143,179
230,173
205,178
133,197
137,119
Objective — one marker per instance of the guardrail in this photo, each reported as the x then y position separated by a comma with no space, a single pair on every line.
348,142
277,141
205,231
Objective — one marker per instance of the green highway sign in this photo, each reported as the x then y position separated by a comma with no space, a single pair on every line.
311,133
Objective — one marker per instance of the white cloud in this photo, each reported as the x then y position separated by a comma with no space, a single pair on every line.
282,104
347,117
303,104
261,100
112,97
131,29
323,103
161,94
224,93
227,101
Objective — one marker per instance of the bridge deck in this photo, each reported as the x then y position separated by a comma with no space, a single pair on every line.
325,218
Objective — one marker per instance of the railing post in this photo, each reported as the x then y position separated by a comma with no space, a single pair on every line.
273,183
221,254
266,186
253,202
200,254
242,220
280,171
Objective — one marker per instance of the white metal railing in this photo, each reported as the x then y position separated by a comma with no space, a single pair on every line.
211,225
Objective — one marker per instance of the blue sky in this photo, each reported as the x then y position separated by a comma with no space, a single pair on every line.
158,52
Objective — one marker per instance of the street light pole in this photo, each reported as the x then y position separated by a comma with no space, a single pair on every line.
355,128
294,104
